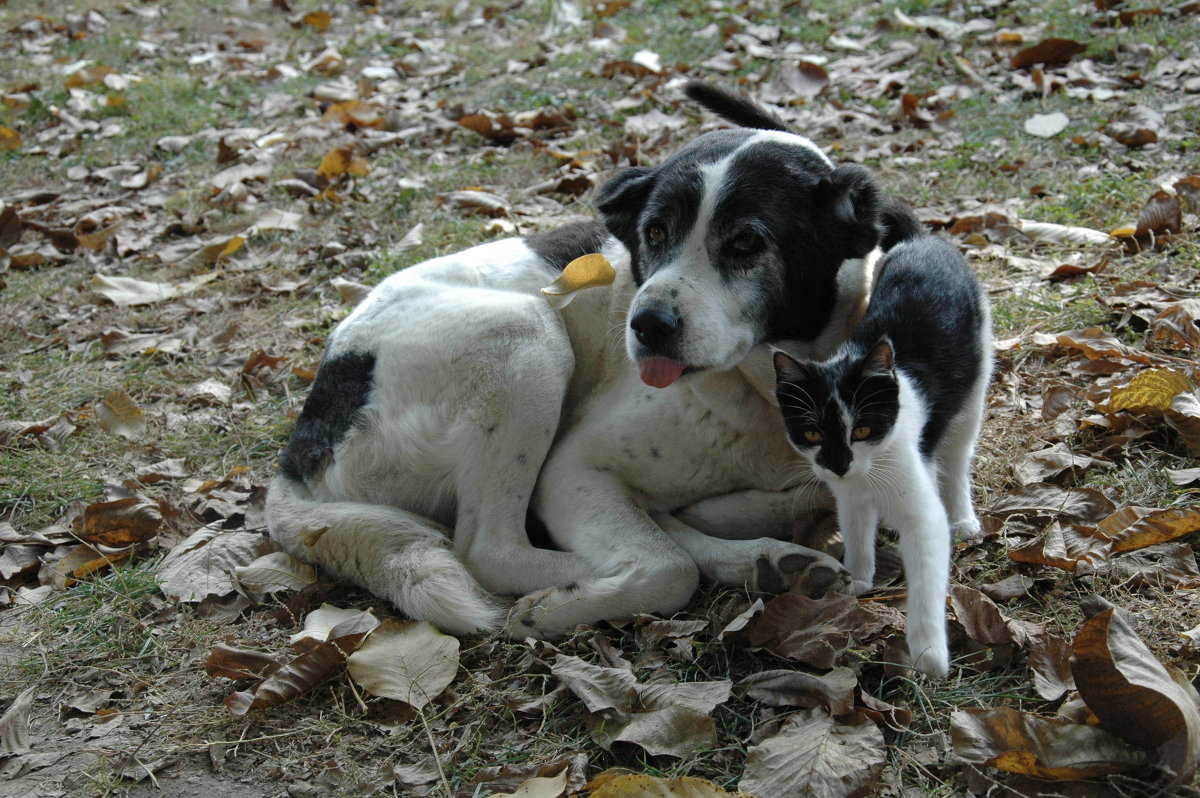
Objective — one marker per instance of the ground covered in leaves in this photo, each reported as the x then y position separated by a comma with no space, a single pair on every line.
191,195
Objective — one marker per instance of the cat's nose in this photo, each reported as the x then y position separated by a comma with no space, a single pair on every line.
837,462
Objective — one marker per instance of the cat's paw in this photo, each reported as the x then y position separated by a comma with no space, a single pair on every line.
933,663
966,529
809,572
859,586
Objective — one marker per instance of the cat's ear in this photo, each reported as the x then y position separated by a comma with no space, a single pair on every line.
788,368
880,361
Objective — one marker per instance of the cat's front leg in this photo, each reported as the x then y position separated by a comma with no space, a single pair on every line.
858,520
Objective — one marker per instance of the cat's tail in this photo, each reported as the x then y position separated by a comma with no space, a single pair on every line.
395,554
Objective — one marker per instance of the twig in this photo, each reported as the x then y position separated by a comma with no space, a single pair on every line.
437,760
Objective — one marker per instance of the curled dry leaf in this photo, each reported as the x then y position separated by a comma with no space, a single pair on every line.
273,572
1050,661
1183,416
539,787
126,291
791,688
203,564
1133,694
1051,233
291,681
1044,748
1048,52
123,522
1070,548
14,725
1133,528
84,560
239,663
408,661
985,623
1085,505
816,756
812,631
320,623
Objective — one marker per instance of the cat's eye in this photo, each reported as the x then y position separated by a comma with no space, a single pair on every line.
746,242
812,436
656,234
860,433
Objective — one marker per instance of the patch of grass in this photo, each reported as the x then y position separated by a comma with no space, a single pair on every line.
38,486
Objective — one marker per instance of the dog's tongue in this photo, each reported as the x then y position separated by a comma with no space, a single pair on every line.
659,372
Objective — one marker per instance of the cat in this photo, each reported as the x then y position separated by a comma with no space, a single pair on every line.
889,423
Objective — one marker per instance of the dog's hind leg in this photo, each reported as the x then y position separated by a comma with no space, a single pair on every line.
394,554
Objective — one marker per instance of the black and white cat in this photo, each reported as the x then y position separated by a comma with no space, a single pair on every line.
890,421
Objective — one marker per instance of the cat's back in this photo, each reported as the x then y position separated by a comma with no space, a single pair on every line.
928,301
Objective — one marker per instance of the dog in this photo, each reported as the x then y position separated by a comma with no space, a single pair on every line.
454,407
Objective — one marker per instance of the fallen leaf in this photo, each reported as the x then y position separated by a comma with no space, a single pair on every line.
409,661
791,688
1133,528
202,565
342,161
119,415
84,560
320,623
1135,697
1045,748
1085,505
1050,661
239,663
1151,389
1049,52
273,572
815,756
120,523
639,785
127,291
10,140
14,725
539,787
1051,233
1047,125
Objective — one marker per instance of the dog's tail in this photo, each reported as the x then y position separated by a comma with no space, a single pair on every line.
734,107
395,554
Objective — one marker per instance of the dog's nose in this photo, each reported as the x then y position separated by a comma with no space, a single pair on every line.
654,326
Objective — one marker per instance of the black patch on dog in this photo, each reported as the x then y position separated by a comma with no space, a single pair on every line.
562,245
338,394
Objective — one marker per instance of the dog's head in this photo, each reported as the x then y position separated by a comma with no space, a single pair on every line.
735,240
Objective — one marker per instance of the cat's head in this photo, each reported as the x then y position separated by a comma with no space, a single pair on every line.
839,412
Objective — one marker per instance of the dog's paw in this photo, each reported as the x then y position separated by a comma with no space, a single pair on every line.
532,615
809,572
966,529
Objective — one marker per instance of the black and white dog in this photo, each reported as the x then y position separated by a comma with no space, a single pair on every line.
638,423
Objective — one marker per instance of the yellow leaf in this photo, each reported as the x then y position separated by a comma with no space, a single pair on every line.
9,139
639,785
317,20
1152,389
585,272
1132,528
120,415
340,162
88,75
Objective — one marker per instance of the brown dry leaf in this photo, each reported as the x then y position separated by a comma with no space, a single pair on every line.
1049,52
409,661
342,161
202,565
119,415
1183,416
1071,548
10,140
290,681
791,688
1096,343
811,631
539,787
985,623
1133,528
354,112
1050,661
664,718
1085,505
473,200
239,663
496,129
320,623
618,784
88,75
816,756
317,20
273,572
82,561
1163,213
1047,464
1045,748
1133,694
126,291
123,522
14,725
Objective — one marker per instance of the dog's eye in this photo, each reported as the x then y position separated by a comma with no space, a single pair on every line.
656,234
746,242
812,436
860,433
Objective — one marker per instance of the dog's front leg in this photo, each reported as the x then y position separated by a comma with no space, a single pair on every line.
763,564
749,514
636,566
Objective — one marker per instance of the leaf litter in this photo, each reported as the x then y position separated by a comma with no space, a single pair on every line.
168,253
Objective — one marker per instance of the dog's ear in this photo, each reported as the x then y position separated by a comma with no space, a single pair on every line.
848,204
621,199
